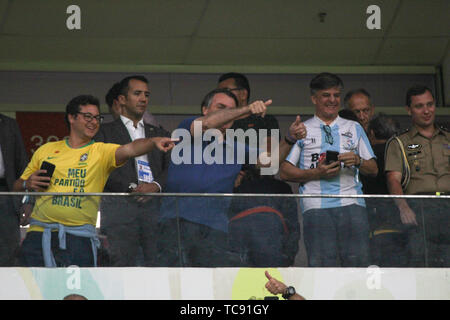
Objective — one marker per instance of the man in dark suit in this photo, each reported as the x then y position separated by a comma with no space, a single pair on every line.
130,223
13,160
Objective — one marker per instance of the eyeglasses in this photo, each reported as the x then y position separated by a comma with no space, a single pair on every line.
328,137
89,117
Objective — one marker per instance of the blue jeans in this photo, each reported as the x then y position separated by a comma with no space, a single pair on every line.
337,237
78,251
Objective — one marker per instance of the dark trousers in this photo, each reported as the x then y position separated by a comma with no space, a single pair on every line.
9,232
131,230
78,251
429,243
258,238
388,250
183,243
337,237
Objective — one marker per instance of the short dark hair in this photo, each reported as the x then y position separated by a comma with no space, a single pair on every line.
73,107
112,94
240,80
383,126
206,102
325,80
348,114
351,93
124,84
416,90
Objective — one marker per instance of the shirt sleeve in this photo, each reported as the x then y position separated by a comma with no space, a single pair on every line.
33,165
294,154
393,157
108,151
364,148
186,123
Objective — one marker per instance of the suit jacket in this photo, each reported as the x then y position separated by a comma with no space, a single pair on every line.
13,151
116,132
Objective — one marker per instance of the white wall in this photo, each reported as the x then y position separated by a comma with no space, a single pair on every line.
223,283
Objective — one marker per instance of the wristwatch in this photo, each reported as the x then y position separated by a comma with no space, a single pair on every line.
289,141
290,291
24,185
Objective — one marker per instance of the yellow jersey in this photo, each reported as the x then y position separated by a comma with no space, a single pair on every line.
81,170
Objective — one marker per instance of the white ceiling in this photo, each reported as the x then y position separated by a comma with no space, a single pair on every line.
115,35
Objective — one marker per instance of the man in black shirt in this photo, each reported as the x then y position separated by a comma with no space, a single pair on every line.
265,230
387,240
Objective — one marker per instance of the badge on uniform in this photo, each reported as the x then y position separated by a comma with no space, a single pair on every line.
414,147
144,172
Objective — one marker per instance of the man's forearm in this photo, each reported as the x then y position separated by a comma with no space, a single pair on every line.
134,149
141,146
291,173
284,150
18,185
369,168
218,118
395,188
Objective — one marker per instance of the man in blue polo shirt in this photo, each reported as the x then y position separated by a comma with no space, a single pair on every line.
194,229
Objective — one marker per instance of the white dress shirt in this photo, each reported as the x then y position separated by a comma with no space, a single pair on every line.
137,133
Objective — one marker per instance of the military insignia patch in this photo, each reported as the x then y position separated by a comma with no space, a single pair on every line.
414,147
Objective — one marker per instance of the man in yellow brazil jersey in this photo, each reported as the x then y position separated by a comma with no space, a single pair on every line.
81,166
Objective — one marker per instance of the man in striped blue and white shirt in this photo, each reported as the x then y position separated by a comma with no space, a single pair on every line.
335,229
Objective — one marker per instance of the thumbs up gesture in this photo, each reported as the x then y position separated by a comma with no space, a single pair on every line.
273,285
297,129
259,107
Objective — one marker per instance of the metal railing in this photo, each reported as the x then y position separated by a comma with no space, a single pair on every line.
388,240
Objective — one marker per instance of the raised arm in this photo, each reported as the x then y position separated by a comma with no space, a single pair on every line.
297,131
142,146
219,118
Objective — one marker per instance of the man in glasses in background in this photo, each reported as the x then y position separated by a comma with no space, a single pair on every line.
131,224
81,165
336,230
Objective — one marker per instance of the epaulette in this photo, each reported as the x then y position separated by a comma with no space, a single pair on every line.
398,134
444,128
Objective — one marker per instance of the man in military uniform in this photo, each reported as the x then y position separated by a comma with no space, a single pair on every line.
427,151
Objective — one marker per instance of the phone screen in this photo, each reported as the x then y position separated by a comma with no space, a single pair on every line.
331,156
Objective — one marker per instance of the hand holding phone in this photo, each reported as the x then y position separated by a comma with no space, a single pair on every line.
49,168
331,156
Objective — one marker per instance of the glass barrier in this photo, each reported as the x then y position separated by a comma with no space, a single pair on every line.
226,230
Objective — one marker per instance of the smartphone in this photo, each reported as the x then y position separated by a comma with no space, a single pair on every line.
50,167
331,156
